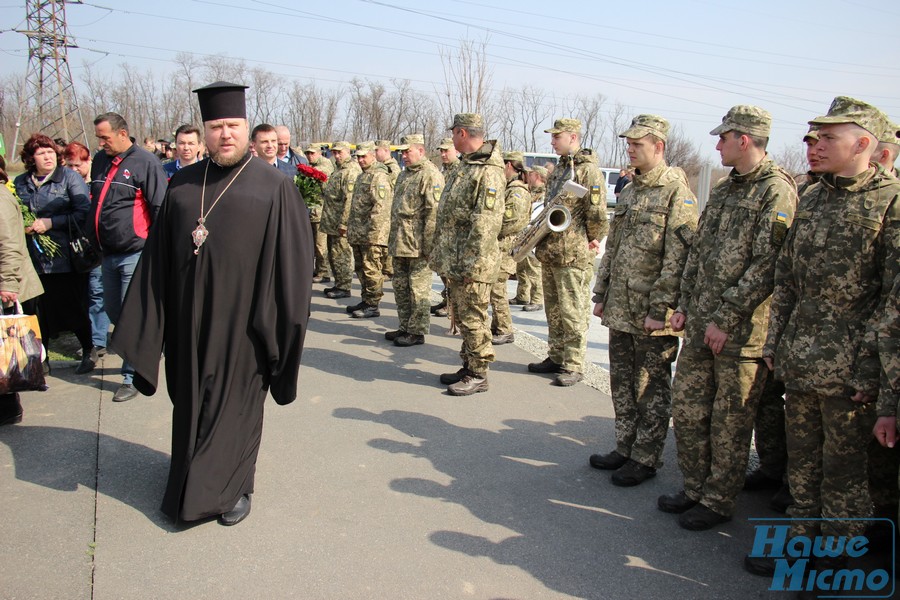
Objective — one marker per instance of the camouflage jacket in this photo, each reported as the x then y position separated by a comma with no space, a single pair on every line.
450,167
838,265
470,217
729,275
413,213
570,247
889,352
648,244
369,222
336,197
516,215
393,169
324,165
538,193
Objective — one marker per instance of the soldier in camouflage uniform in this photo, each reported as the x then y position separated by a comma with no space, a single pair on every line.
368,228
322,272
636,291
726,290
517,203
838,264
383,155
888,149
888,330
466,248
335,212
567,257
416,198
529,290
449,163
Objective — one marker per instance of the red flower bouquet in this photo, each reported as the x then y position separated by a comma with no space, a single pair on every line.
310,182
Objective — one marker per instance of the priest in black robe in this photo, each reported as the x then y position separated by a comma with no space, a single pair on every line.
223,287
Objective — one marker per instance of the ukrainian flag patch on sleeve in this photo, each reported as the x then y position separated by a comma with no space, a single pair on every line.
490,198
595,194
781,217
689,202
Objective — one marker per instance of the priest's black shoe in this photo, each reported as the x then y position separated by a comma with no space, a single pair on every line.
336,293
607,462
506,338
757,480
409,339
470,384
366,312
352,308
675,503
10,409
393,335
545,366
448,378
632,473
87,365
238,513
701,518
567,378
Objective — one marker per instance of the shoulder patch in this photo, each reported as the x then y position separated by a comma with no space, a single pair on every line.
689,202
595,194
490,198
381,192
350,186
780,217
436,191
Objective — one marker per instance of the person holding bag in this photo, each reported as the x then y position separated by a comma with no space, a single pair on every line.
58,198
18,279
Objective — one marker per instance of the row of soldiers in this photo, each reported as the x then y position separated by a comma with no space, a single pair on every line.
768,290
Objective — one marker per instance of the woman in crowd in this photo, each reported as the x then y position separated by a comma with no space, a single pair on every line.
18,280
56,195
78,158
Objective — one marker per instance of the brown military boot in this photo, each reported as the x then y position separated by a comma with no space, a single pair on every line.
471,383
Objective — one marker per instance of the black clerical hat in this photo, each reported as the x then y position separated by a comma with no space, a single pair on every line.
222,100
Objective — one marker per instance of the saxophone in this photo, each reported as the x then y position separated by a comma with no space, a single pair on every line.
555,217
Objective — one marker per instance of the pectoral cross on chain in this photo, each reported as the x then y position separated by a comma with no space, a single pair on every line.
199,235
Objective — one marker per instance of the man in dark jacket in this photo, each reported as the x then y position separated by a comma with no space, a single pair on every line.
127,188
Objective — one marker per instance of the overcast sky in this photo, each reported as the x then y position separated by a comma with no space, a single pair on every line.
688,60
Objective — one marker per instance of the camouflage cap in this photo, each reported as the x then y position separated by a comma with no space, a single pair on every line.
643,125
312,148
473,120
845,109
446,144
407,140
891,134
540,171
383,144
514,156
812,134
342,145
364,148
561,125
744,118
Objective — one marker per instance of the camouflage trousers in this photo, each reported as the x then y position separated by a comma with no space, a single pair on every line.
528,274
470,305
369,260
321,247
714,402
568,309
501,319
388,268
827,438
769,434
412,292
640,378
340,256
884,464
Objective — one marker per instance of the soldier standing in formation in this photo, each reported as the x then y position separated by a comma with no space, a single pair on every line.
416,197
517,208
449,163
322,272
636,291
567,257
837,267
335,212
467,251
726,289
383,155
529,291
368,227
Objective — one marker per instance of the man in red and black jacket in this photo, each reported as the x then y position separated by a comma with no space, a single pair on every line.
127,188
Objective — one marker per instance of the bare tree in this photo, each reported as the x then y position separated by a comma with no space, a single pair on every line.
792,158
467,79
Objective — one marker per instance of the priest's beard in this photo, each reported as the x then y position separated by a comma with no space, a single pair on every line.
229,161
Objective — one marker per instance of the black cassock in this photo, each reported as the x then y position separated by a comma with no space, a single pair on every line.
231,320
